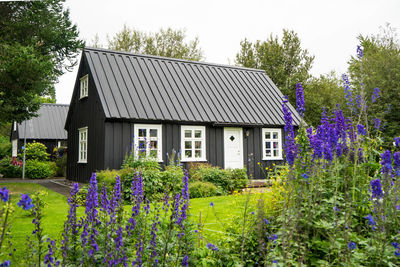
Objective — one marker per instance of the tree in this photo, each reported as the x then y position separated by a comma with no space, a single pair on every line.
166,43
285,62
320,93
379,67
38,43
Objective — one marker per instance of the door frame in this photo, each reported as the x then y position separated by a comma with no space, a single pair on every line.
240,145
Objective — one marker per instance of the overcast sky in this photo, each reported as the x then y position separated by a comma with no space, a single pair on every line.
328,29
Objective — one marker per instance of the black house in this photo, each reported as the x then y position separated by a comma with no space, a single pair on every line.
46,128
224,115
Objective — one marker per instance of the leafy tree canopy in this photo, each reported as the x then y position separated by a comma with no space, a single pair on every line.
38,43
285,62
166,43
379,67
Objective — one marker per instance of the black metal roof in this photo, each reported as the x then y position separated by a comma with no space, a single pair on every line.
49,124
133,86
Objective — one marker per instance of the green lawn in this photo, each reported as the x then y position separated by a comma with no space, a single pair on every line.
213,218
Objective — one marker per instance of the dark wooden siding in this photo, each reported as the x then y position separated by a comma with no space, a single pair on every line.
253,153
86,112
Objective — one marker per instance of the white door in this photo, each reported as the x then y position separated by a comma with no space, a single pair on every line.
233,146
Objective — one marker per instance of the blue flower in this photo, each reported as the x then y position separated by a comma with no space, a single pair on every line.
351,245
377,123
397,252
4,194
304,175
212,204
386,162
336,208
6,263
212,247
273,237
371,220
25,202
397,141
266,221
360,52
376,187
300,99
375,94
252,213
361,129
395,244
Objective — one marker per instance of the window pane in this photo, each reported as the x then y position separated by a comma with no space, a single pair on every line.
275,144
276,153
188,153
267,135
188,133
197,153
267,145
142,132
268,153
197,144
197,133
153,132
188,144
142,146
153,144
153,153
275,135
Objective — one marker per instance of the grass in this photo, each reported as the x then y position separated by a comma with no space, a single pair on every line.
214,219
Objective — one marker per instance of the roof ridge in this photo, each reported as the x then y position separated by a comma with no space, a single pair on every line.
54,104
172,59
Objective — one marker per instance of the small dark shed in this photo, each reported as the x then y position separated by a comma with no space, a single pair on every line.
46,128
224,115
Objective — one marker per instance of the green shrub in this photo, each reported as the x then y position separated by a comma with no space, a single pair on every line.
10,170
239,178
215,175
5,147
61,164
193,167
202,189
171,178
139,162
36,169
36,151
107,177
81,196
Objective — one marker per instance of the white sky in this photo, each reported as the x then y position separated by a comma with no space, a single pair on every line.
328,29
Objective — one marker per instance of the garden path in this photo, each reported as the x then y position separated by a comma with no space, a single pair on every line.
59,185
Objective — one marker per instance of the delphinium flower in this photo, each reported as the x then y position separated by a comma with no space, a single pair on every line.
358,101
117,196
347,91
290,145
397,141
211,204
25,202
375,94
212,247
71,227
396,163
386,162
351,245
371,221
185,261
153,240
377,124
4,194
361,129
7,263
105,203
360,52
300,106
49,258
376,188
397,247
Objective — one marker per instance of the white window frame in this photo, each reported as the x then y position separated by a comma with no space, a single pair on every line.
15,126
14,147
84,87
193,140
271,140
148,139
82,145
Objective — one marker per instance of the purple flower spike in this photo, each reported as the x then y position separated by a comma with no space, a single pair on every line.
351,245
376,187
4,194
360,52
25,202
300,99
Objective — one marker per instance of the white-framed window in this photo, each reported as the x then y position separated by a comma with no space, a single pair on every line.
272,144
193,143
148,141
83,137
84,86
14,145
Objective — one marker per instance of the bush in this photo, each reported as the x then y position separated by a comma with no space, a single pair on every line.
61,164
202,189
36,151
215,175
171,178
36,169
10,168
239,178
195,166
5,147
139,162
107,177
